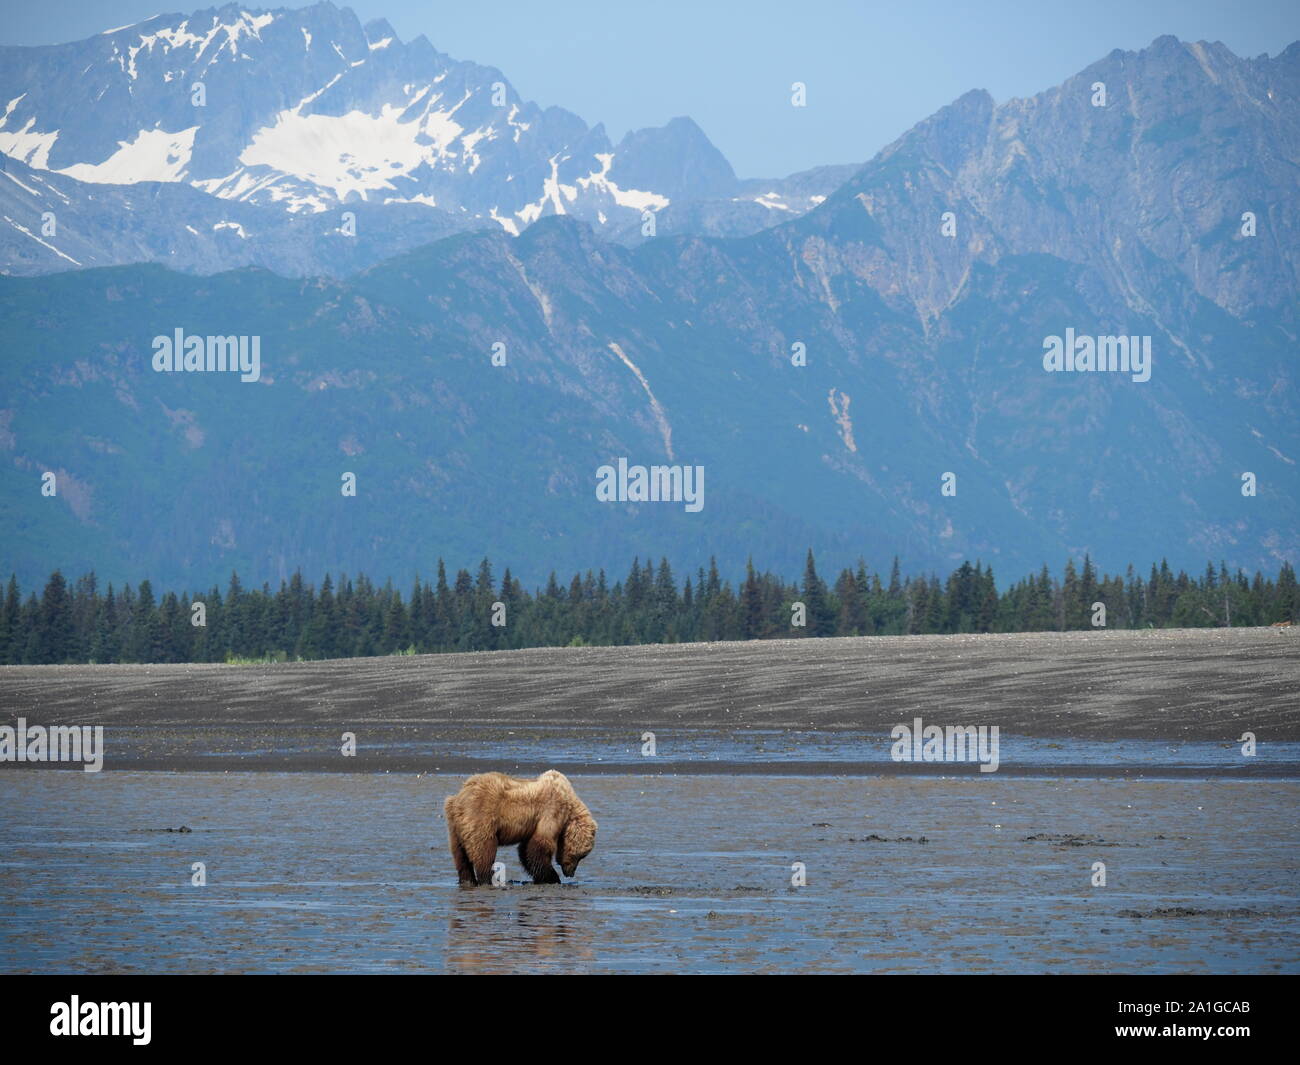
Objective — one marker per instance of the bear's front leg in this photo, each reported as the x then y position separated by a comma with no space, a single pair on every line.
536,856
483,860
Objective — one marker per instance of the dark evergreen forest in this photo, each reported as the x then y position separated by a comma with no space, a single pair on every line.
352,617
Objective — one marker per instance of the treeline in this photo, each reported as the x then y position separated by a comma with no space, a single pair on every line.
474,612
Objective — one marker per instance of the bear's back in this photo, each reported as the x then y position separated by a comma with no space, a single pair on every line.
492,789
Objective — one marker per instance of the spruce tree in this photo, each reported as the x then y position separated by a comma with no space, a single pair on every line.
11,641
751,605
816,599
55,643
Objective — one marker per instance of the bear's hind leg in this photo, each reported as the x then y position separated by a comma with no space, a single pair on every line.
536,856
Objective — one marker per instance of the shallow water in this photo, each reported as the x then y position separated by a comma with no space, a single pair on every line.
349,872
816,751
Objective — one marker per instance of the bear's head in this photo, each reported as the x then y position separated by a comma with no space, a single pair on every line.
577,842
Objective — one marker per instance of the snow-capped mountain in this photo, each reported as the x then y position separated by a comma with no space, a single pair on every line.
829,372
309,112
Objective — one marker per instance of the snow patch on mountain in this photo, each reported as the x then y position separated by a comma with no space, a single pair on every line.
247,25
360,151
20,184
351,153
554,193
261,183
772,201
376,120
636,199
26,144
27,232
508,224
154,155
118,29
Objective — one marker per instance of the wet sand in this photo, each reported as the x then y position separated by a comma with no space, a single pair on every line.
586,708
336,872
1122,748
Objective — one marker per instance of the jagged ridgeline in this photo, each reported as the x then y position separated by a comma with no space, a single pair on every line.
83,622
232,137
458,314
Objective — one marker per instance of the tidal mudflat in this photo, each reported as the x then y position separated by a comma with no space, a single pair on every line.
310,872
1116,748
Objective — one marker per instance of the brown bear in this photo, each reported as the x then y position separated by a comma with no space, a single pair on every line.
544,816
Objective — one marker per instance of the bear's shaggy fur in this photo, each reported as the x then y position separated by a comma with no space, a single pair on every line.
544,816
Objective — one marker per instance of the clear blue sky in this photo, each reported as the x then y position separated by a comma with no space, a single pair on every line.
872,69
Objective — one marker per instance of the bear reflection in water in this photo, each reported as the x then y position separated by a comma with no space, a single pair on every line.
529,930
